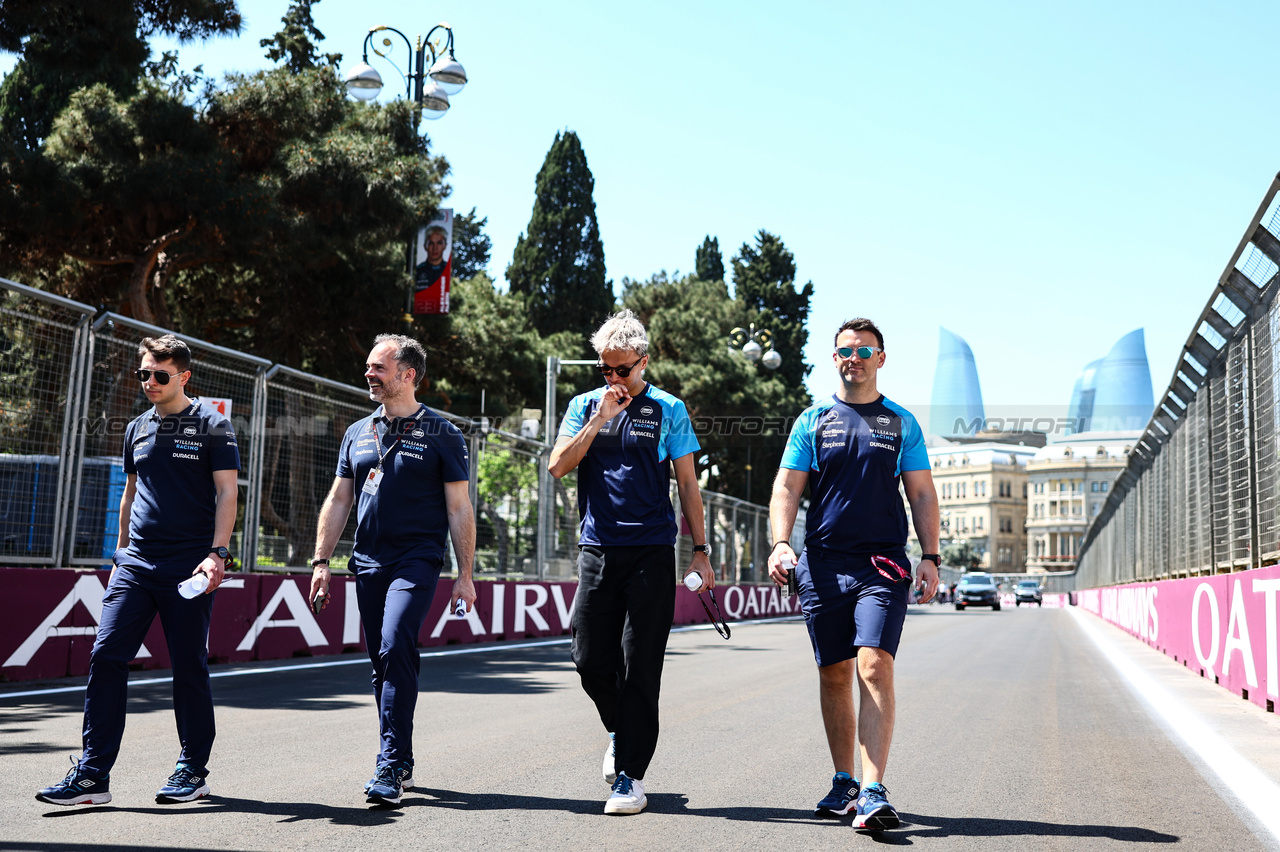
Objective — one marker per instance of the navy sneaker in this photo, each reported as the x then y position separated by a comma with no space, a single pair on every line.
406,782
874,811
844,792
184,785
388,785
78,788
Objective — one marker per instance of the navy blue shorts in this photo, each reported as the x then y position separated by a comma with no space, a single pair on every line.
848,604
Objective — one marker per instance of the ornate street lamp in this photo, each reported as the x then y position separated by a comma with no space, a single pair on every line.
429,88
756,346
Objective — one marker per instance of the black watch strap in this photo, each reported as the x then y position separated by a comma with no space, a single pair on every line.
702,548
316,563
932,557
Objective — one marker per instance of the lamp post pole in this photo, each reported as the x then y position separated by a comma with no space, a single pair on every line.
756,346
428,88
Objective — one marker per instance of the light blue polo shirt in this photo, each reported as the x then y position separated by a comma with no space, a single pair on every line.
624,480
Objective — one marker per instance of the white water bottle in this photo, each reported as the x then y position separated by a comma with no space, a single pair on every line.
693,581
193,585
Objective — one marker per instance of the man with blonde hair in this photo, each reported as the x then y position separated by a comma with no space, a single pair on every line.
623,438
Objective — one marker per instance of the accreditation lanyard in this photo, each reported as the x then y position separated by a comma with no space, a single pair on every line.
374,479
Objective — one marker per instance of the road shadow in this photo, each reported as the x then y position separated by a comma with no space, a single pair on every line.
461,801
931,827
362,815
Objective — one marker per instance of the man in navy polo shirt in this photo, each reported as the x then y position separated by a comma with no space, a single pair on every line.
623,438
405,468
176,517
853,450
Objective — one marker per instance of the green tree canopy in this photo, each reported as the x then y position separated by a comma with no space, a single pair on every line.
471,245
734,404
559,261
295,43
67,45
708,261
764,282
273,218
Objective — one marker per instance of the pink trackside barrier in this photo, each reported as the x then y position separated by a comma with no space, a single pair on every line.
1222,626
49,617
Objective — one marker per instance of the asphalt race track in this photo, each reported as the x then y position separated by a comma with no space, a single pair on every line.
1015,731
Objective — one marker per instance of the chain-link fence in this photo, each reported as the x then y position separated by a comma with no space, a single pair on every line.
43,341
1201,493
69,393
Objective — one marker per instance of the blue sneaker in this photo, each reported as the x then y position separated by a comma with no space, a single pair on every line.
388,785
77,788
844,791
406,782
874,811
184,785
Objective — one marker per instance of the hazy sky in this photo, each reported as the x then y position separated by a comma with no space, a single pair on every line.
1040,178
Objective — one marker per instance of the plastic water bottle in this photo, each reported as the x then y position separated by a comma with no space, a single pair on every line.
793,585
193,585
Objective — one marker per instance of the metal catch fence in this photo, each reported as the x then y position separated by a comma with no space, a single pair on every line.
1201,493
68,394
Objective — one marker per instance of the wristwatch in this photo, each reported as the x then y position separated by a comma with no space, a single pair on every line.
702,548
931,557
316,563
225,555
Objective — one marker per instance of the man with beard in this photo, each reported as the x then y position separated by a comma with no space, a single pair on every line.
406,469
853,450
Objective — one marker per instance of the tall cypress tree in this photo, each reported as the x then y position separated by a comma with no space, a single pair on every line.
558,263
708,262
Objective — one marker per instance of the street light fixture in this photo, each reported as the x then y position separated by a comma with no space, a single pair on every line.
753,344
428,88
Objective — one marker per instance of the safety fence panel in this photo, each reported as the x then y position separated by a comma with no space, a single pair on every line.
43,342
221,378
69,393
1201,492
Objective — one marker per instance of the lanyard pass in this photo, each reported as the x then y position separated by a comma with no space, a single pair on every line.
373,481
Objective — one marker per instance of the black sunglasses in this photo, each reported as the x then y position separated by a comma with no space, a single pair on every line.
623,372
162,378
717,619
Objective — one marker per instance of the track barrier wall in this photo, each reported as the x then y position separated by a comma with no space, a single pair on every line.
49,617
1222,627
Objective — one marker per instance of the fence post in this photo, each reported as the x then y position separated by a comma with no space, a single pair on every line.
253,494
71,449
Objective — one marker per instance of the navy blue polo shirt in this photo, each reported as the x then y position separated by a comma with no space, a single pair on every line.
855,455
624,480
174,458
407,517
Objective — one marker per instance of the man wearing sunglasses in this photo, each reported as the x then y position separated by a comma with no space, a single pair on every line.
176,517
623,439
853,450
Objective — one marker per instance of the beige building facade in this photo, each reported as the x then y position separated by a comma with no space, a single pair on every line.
1068,482
982,495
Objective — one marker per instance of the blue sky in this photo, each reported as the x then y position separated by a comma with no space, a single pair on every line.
1039,178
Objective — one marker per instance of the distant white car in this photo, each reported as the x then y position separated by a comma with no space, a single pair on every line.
1028,591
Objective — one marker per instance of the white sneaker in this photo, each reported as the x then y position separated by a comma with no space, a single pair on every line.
610,773
628,796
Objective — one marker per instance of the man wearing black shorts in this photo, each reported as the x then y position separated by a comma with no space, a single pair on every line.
853,450
176,515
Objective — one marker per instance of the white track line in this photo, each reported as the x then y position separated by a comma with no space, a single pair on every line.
1258,793
358,660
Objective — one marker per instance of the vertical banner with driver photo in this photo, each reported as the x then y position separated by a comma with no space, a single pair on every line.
433,265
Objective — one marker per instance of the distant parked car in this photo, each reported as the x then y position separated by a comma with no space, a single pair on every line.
977,589
1028,591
